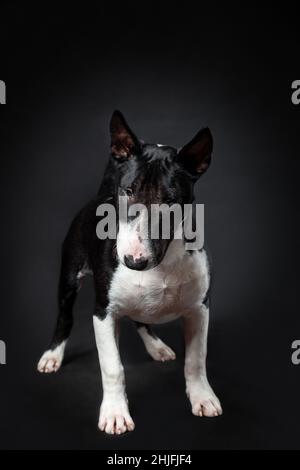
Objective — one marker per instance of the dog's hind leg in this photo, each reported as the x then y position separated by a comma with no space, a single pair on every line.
69,285
157,349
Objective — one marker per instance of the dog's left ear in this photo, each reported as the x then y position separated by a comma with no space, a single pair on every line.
123,141
196,155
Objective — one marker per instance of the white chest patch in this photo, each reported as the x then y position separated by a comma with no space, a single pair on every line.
172,289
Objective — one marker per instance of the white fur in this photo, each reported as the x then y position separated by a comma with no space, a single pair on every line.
177,287
132,238
174,288
114,415
203,400
51,360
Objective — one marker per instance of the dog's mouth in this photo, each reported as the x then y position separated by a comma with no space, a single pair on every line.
138,264
147,260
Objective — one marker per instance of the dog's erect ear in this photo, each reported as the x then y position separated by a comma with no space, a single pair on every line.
196,155
123,141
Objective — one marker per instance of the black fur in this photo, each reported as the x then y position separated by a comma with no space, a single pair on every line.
150,174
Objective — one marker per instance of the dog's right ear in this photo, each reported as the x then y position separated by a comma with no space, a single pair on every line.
123,141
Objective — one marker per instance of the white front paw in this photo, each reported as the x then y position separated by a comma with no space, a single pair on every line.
52,359
204,401
114,416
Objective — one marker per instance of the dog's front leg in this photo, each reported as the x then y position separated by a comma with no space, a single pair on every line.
203,400
114,414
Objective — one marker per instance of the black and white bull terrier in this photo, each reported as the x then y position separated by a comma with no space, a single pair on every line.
149,280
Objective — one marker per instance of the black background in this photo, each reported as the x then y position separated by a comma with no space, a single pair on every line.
171,71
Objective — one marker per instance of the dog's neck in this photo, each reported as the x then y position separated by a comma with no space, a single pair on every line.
175,253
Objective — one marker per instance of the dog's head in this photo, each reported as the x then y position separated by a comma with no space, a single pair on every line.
152,174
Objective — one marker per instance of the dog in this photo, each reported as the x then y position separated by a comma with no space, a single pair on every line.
151,281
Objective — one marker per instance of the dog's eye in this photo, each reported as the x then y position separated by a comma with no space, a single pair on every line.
129,192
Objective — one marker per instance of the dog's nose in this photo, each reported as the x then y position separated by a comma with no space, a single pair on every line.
137,264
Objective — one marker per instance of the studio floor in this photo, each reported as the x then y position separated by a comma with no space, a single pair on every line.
60,411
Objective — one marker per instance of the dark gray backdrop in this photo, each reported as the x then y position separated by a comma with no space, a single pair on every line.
170,72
